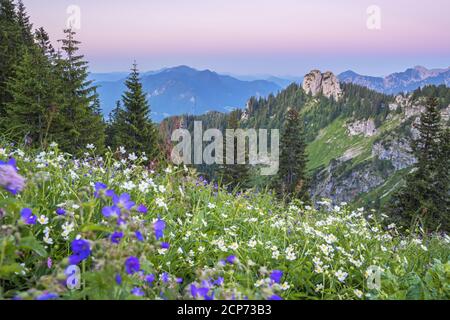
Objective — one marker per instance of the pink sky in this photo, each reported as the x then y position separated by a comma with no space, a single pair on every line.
255,36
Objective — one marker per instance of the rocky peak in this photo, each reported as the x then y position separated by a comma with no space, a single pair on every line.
326,83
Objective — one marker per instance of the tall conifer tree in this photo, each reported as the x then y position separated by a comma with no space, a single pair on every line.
133,127
292,181
234,175
24,23
30,112
11,46
79,120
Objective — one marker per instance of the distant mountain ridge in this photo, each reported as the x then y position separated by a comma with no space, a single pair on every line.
407,81
184,90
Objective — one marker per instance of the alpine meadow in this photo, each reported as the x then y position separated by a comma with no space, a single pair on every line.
268,180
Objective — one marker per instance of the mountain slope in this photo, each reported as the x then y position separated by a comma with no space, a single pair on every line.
358,146
183,90
395,83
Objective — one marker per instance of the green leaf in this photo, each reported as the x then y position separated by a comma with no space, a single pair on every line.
95,227
9,269
31,243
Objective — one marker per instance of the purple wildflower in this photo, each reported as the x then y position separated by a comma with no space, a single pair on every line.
60,211
165,277
150,279
231,259
142,209
123,201
165,245
81,251
27,216
47,296
219,281
159,227
111,211
138,292
132,265
276,276
116,237
74,259
139,236
10,180
200,293
275,297
98,188
118,279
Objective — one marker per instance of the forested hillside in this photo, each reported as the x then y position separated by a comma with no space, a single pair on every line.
358,146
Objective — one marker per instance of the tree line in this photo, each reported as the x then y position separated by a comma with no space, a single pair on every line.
46,95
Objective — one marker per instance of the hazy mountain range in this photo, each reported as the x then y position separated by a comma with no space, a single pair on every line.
183,89
394,83
180,90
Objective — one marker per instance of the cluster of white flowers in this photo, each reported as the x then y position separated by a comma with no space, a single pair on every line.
160,203
290,253
68,228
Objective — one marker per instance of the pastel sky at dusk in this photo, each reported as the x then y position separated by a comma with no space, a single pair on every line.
280,37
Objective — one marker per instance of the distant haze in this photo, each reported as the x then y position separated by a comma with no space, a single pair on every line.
283,37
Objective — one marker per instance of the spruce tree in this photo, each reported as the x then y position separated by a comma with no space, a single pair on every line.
24,24
133,127
79,120
292,181
113,126
30,113
43,41
234,175
425,197
11,46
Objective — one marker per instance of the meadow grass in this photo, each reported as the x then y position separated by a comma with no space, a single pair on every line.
135,233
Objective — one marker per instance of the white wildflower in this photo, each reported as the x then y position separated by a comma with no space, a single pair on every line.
358,293
211,206
43,220
341,275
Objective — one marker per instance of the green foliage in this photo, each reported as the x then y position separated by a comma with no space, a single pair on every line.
131,126
425,197
292,181
440,93
324,253
45,96
231,173
79,121
11,48
31,113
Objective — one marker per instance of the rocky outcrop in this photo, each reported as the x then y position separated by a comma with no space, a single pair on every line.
445,113
398,152
365,127
413,110
326,83
348,186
